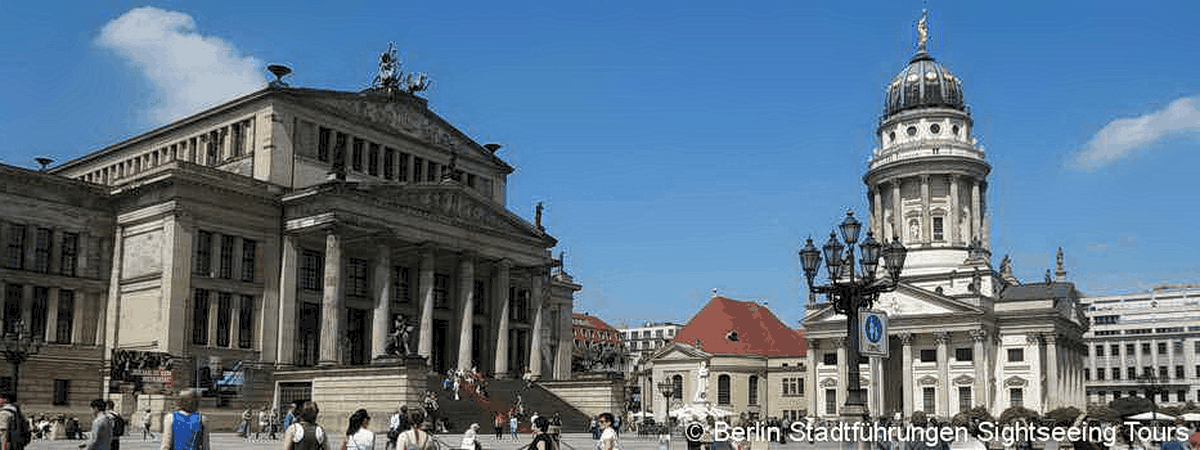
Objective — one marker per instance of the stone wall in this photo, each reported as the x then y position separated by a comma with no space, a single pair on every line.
590,396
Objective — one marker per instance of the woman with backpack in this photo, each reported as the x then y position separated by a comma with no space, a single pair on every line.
305,434
359,435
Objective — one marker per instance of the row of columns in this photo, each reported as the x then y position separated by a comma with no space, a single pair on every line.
978,221
1064,370
332,308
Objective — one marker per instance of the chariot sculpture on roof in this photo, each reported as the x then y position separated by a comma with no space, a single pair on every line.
391,79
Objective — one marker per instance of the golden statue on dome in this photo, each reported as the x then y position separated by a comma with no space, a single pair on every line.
923,30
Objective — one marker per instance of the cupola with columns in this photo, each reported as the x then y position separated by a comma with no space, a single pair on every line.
927,179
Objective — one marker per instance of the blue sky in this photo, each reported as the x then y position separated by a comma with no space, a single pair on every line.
685,146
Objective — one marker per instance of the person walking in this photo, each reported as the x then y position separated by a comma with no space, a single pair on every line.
100,437
608,437
555,430
541,440
305,434
498,422
264,423
186,429
14,427
417,437
146,418
358,434
470,440
290,418
243,429
397,424
118,424
512,425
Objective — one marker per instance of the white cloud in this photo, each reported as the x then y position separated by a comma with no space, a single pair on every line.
188,70
1122,137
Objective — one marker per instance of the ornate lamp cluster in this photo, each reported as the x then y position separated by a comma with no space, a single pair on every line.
850,291
18,344
667,389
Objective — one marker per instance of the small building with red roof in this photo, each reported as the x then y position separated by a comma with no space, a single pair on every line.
598,346
755,363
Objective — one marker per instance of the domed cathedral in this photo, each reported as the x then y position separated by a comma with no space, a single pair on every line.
961,335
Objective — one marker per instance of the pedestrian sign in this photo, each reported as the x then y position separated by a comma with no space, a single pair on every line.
873,333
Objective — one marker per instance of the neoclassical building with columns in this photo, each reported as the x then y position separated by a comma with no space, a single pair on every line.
961,334
305,243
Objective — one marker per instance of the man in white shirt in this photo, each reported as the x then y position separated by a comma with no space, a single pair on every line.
608,436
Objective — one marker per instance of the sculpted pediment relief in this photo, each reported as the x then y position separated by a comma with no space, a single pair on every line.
407,118
964,379
1015,381
927,380
829,382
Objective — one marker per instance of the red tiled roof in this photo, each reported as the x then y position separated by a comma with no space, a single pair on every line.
589,322
759,332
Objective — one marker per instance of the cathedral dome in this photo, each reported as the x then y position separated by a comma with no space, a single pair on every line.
924,83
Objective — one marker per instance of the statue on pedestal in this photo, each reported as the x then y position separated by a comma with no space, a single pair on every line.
399,337
701,396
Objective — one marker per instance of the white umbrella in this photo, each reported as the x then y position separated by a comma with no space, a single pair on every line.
1150,416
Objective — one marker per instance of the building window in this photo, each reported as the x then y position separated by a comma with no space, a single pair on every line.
928,397
402,167
16,247
38,315
830,401
224,318
1131,373
66,316
964,355
481,297
1146,348
246,322
1179,372
830,359
1181,396
70,254
357,278
1087,374
400,286
389,162
1016,397
1162,348
938,229
323,145
1198,371
431,174
226,268
1116,373
249,259
677,386
928,355
1016,354
1196,347
1115,349
61,390
1099,373
752,398
13,294
356,155
1163,374
964,398
1099,351
311,264
373,159
441,291
200,317
203,263
339,151
418,170
41,250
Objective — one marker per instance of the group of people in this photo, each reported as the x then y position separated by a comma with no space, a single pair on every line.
268,422
471,380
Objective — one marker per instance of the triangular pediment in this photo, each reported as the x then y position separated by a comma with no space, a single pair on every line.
676,351
402,114
906,300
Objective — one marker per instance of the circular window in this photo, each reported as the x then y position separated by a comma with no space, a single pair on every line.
935,128
892,136
954,129
912,131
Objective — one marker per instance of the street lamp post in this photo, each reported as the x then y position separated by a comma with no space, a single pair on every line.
667,389
18,344
1153,389
850,291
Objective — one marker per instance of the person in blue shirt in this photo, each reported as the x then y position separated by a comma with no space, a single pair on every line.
186,429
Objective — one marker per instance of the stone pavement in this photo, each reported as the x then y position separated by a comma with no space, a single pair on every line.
571,441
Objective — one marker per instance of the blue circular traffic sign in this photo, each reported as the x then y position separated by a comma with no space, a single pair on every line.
874,329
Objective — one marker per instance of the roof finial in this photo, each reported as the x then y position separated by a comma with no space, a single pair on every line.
923,30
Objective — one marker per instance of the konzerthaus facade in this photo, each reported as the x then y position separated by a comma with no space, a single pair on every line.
279,246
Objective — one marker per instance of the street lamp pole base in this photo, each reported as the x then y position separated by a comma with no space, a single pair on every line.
852,414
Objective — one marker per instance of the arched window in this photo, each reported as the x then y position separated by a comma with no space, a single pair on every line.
677,381
723,390
753,400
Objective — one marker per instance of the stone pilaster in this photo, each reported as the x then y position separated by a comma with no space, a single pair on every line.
810,392
503,274
331,302
979,337
975,212
381,320
466,291
843,374
1053,383
898,214
926,220
943,361
538,297
908,390
425,284
955,213
286,340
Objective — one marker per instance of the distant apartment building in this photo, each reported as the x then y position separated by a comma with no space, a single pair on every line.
644,340
1144,339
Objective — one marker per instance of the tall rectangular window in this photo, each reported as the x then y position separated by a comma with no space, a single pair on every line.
66,316
312,263
752,395
239,139
400,286
441,291
246,322
62,389
200,317
70,254
356,279
1099,351
339,151
203,264
41,249
938,229
1178,372
38,314
402,167
1131,373
1016,397
928,397
418,170
226,269
964,398
224,318
1162,348
1116,373
249,259
431,174
323,145
830,401
1115,349
389,163
481,297
373,159
13,294
16,247
356,155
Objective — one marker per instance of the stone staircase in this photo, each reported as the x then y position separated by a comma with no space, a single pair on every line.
471,408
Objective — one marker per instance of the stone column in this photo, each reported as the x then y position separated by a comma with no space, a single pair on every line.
425,284
877,214
538,296
942,339
926,220
908,390
975,213
503,272
810,391
113,304
955,230
382,320
843,373
875,394
985,227
50,333
466,292
331,302
981,365
898,214
286,339
1052,377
